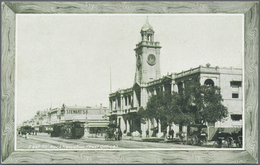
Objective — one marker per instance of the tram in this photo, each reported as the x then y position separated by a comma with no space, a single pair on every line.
45,129
26,129
72,130
56,130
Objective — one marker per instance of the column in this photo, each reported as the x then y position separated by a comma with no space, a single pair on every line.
175,87
172,87
154,91
183,86
122,126
168,130
152,38
163,89
121,105
135,100
111,105
127,126
159,129
127,102
144,97
132,101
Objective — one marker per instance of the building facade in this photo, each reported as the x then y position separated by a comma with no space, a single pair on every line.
125,103
95,118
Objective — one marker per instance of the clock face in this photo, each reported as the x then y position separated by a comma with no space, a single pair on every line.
151,60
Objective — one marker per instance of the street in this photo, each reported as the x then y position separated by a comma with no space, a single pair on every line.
44,141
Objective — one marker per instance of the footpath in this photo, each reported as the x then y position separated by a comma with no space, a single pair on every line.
162,140
150,139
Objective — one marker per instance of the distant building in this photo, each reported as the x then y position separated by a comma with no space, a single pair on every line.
55,115
125,103
97,121
95,118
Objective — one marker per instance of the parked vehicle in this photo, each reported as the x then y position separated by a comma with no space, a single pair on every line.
197,134
182,137
110,134
113,132
224,139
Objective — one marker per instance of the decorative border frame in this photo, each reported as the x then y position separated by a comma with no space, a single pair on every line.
251,34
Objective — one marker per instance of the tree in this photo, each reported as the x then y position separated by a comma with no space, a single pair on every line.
194,104
210,107
161,107
203,102
178,111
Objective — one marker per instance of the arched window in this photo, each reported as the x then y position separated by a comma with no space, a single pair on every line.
209,82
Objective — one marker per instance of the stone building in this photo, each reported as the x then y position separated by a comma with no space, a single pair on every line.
124,103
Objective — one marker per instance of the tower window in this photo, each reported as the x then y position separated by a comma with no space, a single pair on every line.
234,95
236,117
235,88
235,84
209,82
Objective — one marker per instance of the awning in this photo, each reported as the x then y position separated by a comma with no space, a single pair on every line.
98,124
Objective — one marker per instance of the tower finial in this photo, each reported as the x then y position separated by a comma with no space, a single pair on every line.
147,19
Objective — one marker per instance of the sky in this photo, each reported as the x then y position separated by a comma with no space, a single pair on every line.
68,58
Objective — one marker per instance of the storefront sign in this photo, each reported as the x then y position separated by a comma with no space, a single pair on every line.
76,111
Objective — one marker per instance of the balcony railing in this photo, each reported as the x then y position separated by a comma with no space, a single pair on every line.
148,43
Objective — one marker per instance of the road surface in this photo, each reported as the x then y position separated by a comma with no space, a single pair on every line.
44,141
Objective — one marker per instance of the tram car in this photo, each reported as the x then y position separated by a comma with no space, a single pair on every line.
26,129
56,130
72,130
45,129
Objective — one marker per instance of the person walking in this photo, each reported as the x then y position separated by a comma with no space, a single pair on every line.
172,134
27,135
165,133
147,133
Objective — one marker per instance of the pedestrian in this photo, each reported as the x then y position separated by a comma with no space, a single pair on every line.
147,133
27,136
164,133
120,134
172,133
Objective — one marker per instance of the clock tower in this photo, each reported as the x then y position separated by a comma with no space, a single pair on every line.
147,54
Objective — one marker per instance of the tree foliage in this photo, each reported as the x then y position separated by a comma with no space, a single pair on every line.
194,104
210,107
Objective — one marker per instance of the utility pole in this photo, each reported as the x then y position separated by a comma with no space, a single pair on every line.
110,81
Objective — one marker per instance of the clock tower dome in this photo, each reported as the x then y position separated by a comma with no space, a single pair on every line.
147,54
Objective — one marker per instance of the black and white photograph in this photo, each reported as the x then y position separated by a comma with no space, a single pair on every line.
132,82
129,81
